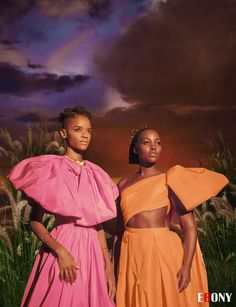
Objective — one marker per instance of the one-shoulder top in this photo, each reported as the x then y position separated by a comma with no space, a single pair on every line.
191,185
66,188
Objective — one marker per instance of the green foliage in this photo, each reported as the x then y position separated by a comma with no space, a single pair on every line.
18,246
15,267
218,245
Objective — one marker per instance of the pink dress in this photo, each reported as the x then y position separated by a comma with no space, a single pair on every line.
80,197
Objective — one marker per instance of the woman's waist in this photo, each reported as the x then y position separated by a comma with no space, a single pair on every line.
153,218
62,221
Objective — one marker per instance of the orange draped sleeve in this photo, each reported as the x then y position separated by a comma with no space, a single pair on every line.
193,186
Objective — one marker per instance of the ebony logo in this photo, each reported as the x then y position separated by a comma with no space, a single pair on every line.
214,297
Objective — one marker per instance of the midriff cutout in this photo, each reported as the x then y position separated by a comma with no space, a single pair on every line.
149,218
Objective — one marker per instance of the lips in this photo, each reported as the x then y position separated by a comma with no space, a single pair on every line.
153,154
84,143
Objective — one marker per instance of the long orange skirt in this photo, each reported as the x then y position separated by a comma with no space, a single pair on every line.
150,259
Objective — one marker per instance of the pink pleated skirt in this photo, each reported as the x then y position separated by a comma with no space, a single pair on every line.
44,287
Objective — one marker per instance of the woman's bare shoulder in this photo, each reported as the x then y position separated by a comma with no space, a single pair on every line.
125,181
122,182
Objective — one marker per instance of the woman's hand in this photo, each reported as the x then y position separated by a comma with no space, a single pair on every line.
67,266
183,278
110,278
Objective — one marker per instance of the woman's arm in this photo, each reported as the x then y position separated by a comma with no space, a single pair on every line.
118,237
66,262
109,268
188,225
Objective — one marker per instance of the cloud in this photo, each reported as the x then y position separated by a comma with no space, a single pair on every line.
189,109
11,55
175,67
112,99
184,138
60,8
8,42
16,82
182,53
13,10
29,117
63,58
34,66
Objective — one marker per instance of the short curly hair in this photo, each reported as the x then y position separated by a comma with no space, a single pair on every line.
71,112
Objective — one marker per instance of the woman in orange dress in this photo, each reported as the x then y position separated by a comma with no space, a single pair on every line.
155,268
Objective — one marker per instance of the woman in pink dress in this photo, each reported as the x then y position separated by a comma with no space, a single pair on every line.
73,267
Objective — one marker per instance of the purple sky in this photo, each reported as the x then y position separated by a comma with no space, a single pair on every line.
168,64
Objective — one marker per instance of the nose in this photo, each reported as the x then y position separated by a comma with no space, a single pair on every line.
84,135
153,146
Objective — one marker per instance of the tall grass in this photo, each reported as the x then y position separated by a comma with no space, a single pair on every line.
18,248
223,160
36,142
216,222
18,245
15,267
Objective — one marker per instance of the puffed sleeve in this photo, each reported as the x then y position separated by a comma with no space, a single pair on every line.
193,186
65,188
31,172
37,176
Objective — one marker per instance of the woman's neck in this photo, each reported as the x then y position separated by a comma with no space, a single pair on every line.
70,153
148,170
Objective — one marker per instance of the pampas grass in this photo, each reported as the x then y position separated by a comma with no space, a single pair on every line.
36,142
18,246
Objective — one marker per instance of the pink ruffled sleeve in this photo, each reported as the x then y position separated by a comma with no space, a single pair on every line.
65,188
41,178
193,186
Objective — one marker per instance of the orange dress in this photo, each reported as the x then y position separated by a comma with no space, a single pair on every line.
150,258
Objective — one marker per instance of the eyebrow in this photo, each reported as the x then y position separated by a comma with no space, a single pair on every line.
76,126
150,139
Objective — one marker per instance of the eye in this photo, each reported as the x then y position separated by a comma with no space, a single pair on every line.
77,129
145,142
90,131
158,142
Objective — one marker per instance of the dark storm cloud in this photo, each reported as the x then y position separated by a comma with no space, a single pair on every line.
29,118
184,137
7,42
183,53
11,10
178,63
33,65
16,82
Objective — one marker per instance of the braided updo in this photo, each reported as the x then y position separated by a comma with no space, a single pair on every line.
133,157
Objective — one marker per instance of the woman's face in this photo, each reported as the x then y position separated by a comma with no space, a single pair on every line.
148,147
77,132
